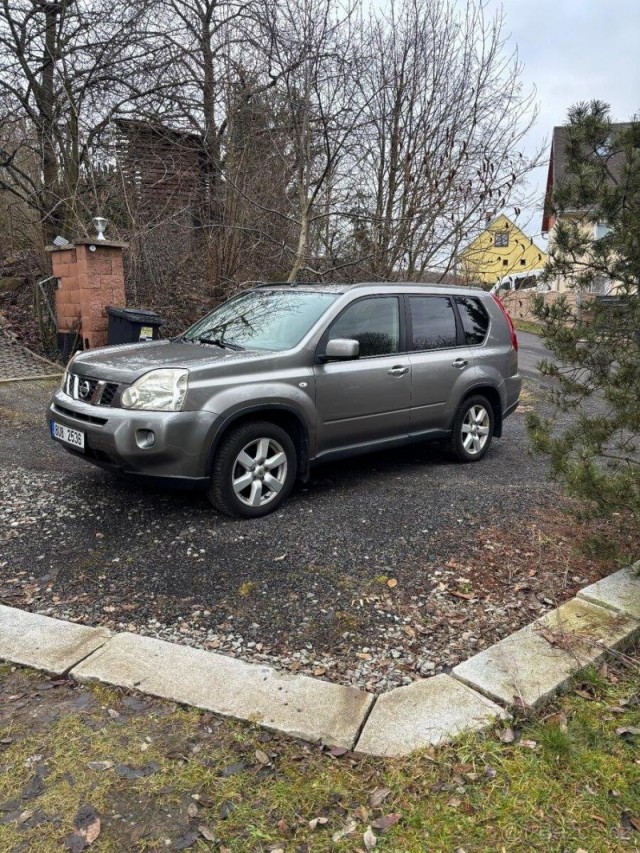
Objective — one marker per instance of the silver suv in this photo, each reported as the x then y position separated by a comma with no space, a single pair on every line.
282,377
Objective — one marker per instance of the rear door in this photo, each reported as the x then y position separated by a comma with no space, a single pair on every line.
368,399
440,361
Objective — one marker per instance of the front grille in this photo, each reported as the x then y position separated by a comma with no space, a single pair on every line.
79,416
97,392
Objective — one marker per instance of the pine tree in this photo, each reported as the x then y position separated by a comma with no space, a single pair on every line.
596,349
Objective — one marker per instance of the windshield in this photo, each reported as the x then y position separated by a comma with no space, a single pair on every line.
262,319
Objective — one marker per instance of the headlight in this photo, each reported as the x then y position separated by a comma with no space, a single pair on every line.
158,390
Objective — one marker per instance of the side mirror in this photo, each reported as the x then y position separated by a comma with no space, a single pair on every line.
341,349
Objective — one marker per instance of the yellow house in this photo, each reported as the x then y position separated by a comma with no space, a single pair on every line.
502,249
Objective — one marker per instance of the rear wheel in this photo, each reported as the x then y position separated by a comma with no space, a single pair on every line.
472,429
253,471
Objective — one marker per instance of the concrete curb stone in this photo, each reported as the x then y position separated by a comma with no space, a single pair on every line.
297,705
619,591
425,713
45,643
532,664
527,667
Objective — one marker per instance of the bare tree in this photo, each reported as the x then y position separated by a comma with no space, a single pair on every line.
66,68
447,119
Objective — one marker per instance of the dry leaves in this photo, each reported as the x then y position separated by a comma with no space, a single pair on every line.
384,823
369,839
507,735
377,797
86,825
207,833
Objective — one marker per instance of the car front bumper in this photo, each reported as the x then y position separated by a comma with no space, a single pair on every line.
114,439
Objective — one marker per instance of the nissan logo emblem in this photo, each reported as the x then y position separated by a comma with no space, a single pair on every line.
84,389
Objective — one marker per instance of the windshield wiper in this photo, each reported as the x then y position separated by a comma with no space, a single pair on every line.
205,339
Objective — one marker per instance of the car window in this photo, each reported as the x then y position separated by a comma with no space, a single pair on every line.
374,323
263,319
475,320
433,322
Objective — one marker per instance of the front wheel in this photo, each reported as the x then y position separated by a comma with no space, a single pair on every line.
253,471
472,429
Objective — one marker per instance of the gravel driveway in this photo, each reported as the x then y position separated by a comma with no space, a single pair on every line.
380,570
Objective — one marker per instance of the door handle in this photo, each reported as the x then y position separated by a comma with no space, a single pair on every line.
459,362
398,371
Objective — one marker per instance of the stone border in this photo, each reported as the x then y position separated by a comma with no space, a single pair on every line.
521,671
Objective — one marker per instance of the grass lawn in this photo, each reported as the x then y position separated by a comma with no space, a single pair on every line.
149,775
527,326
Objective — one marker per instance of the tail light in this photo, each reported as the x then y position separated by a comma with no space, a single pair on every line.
512,330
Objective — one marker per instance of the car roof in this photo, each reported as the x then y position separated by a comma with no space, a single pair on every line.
373,287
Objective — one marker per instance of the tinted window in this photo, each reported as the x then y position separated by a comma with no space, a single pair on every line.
374,323
433,322
475,320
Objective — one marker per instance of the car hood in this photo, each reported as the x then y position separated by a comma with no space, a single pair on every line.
127,362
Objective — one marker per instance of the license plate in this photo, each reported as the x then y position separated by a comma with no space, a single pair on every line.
70,436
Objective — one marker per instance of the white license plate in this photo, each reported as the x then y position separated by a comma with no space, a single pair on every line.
68,435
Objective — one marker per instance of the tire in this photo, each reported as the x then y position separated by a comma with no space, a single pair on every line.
472,429
241,484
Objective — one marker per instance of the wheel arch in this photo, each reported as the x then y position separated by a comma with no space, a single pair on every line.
493,396
280,414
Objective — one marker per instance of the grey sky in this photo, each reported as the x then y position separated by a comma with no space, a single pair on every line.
575,50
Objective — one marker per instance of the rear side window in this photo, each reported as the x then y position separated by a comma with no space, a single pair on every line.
433,323
475,320
373,322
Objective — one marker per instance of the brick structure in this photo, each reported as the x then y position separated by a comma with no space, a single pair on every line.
90,276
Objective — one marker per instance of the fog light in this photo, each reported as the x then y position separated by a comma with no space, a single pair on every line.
145,438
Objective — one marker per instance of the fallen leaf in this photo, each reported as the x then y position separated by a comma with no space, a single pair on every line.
384,823
454,802
630,821
466,595
583,694
185,841
377,797
559,720
24,817
75,843
192,809
369,839
87,823
338,751
100,765
207,833
226,809
528,744
347,829
362,814
262,757
318,821
628,732
507,735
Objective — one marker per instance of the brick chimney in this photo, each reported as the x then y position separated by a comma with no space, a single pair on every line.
90,276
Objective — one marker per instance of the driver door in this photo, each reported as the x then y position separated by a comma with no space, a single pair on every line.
364,400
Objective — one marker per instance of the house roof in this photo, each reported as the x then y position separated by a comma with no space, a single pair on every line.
558,161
